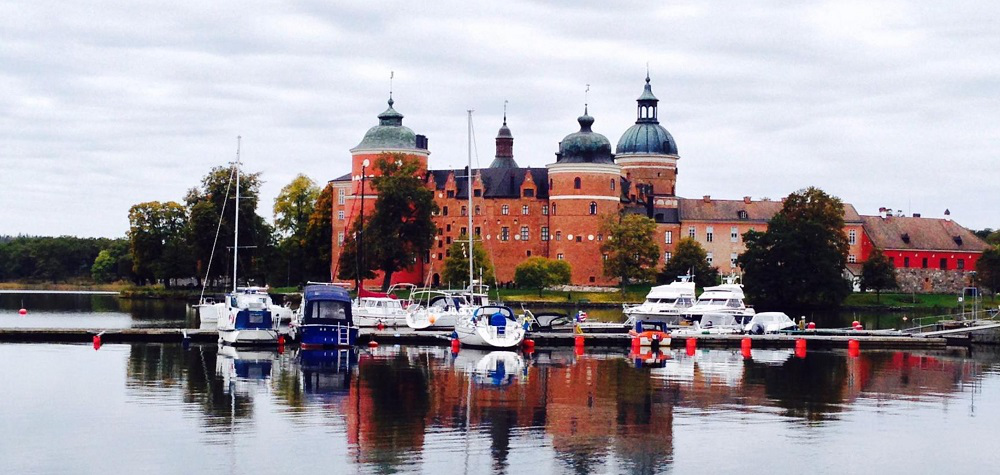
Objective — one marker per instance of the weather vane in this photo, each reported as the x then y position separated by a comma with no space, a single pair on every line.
391,75
505,112
586,98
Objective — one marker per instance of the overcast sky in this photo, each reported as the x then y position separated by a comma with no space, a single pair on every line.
882,103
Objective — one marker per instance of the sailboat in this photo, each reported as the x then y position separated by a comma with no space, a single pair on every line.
492,325
248,315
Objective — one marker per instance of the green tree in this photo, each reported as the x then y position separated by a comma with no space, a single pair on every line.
539,272
799,261
319,237
292,208
456,265
878,274
690,257
630,248
988,269
993,238
157,239
348,266
113,263
401,228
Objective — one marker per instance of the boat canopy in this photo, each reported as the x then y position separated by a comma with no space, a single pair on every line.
716,320
326,304
672,291
765,318
497,314
724,291
362,293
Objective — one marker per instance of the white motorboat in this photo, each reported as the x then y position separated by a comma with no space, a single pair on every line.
664,303
493,326
725,298
434,309
769,322
712,324
370,311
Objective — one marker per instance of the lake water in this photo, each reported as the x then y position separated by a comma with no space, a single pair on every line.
162,408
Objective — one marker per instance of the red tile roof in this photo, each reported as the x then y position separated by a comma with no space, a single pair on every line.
729,210
930,234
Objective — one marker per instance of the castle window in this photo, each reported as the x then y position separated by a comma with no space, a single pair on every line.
612,184
524,209
742,214
559,257
524,233
944,263
340,239
558,235
479,231
708,257
529,193
579,238
440,256
852,236
852,259
340,215
465,211
691,232
504,210
447,240
666,257
576,183
604,257
550,184
923,263
600,237
478,211
592,280
593,207
463,231
709,233
553,209
668,237
732,260
451,193
545,210
444,211
447,228
504,233
545,233
906,262
960,264
477,193
440,244
341,196
528,253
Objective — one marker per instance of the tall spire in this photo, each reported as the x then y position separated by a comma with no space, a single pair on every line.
646,109
505,145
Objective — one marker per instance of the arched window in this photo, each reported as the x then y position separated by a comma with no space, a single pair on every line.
553,209
464,211
612,184
576,183
478,211
593,207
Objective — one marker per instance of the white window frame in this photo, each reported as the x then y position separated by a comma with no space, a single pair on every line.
668,237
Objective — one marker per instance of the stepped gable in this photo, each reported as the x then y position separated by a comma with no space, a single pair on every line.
922,234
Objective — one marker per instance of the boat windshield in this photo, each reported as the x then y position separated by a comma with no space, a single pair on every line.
326,311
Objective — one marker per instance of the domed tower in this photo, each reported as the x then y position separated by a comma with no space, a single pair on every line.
584,186
505,148
646,152
389,136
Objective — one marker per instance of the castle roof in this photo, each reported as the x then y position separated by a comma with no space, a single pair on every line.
497,182
761,211
585,146
898,232
389,133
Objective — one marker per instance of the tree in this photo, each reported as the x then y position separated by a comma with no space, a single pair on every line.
157,239
689,256
630,248
539,272
319,237
456,265
401,229
292,208
799,261
348,266
878,274
113,263
988,269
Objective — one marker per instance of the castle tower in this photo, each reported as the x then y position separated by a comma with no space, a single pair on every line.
505,147
584,186
646,152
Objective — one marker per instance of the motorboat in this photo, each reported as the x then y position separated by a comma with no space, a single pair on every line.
437,310
650,334
325,318
725,298
561,322
245,318
665,303
373,308
493,326
712,324
769,322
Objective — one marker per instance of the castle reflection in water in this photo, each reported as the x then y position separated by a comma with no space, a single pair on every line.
394,403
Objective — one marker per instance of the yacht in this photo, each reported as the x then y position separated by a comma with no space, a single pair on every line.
712,324
493,326
769,322
437,310
372,308
324,319
245,318
664,303
725,298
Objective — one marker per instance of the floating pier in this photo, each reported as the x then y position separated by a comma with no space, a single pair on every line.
407,336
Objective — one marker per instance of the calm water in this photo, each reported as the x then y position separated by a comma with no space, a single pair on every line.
162,409
75,310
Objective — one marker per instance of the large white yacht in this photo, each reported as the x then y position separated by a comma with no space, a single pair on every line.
664,303
726,298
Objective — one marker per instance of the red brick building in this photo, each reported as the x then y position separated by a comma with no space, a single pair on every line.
556,211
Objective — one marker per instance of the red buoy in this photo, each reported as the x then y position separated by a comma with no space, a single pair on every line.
855,323
373,344
746,343
23,311
578,341
858,327
800,348
97,342
528,344
811,326
636,344
853,348
455,345
380,326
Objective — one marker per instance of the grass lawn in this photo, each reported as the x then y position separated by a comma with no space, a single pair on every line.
911,300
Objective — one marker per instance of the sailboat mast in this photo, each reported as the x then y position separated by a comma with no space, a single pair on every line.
236,225
470,212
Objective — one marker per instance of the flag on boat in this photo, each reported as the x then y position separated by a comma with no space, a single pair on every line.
581,316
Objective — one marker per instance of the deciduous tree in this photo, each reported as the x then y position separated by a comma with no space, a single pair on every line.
690,257
988,269
539,272
319,237
630,248
799,261
878,274
456,265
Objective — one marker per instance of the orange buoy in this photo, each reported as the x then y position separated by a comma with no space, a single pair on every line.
23,311
800,348
746,343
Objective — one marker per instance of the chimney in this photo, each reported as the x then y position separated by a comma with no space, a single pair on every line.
421,142
882,212
707,198
746,199
916,215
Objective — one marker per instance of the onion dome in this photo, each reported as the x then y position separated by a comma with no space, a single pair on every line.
505,148
585,146
647,136
389,133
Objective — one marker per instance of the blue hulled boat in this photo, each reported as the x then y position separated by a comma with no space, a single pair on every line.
324,319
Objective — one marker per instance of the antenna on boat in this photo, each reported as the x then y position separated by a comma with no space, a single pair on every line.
469,193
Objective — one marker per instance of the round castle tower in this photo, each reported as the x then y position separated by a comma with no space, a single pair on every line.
646,152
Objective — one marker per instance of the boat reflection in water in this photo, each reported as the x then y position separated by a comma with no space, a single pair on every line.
242,369
492,368
327,374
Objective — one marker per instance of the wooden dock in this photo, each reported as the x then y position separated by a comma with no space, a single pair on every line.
406,336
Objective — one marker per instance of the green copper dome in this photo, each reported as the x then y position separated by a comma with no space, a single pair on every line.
585,146
647,136
389,133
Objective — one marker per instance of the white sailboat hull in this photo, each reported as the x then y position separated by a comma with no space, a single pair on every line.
423,320
490,336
